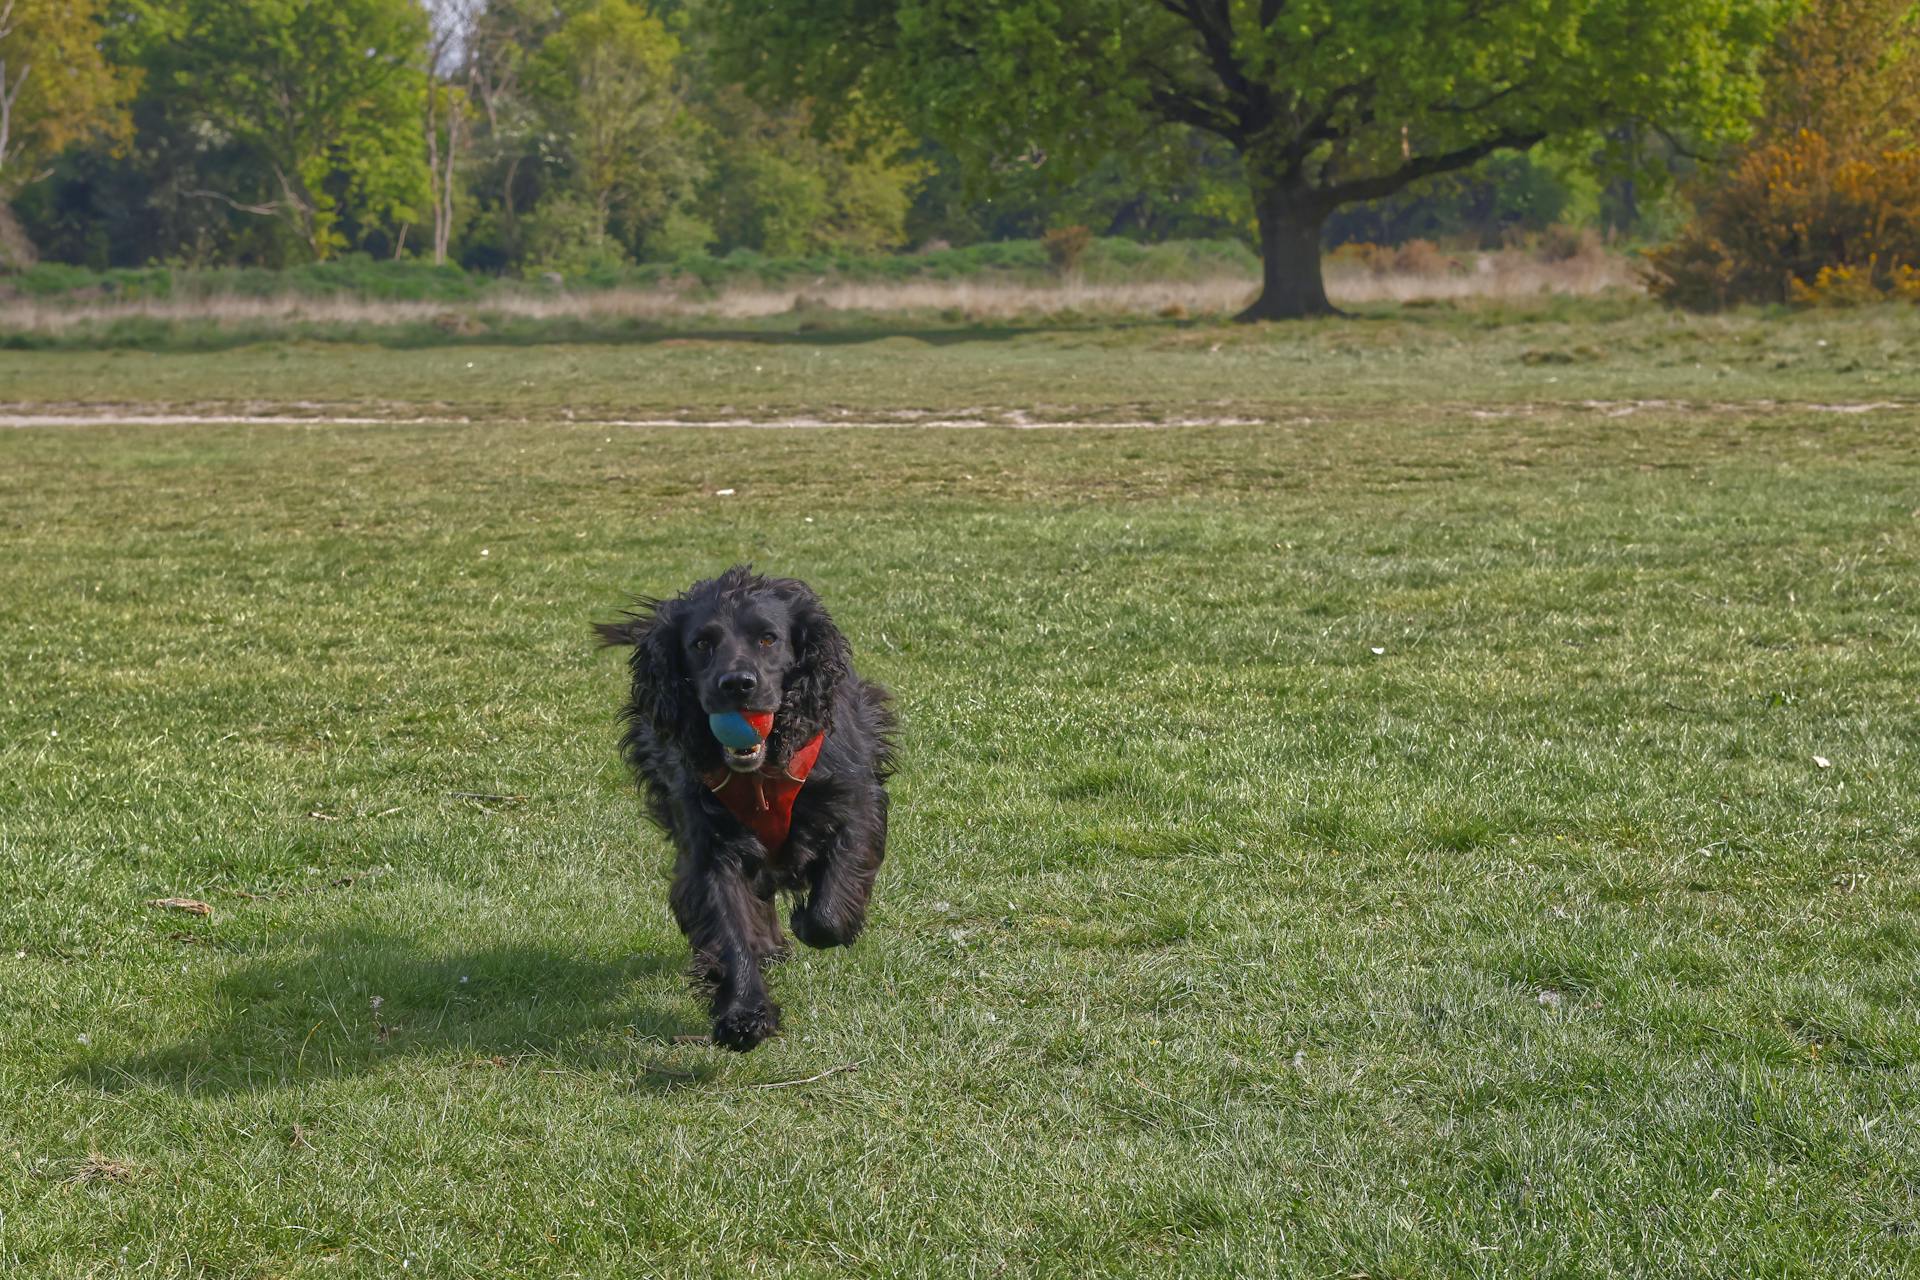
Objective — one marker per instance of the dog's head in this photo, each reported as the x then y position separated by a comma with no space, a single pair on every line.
738,642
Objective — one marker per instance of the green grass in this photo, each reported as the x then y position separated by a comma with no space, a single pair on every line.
357,276
1451,357
1384,838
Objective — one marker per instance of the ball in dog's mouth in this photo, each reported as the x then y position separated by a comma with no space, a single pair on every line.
743,736
746,759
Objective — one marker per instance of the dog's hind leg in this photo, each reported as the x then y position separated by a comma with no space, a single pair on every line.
769,941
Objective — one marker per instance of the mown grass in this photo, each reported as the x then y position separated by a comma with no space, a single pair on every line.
1386,840
1447,356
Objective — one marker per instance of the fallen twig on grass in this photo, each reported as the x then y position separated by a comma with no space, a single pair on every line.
99,1168
788,1084
192,906
320,815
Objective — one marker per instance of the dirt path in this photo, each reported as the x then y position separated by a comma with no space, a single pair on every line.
83,415
73,415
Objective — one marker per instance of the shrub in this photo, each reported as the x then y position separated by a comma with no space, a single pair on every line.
1376,259
1562,243
1824,207
1797,222
1424,258
567,233
1065,246
1845,286
574,257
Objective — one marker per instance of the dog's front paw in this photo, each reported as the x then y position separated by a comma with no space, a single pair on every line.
823,928
744,1026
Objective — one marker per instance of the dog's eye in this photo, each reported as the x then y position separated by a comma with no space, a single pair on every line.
702,645
766,641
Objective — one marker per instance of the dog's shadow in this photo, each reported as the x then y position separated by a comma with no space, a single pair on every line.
353,1001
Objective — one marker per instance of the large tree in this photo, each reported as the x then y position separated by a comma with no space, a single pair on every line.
1325,101
325,96
56,88
607,83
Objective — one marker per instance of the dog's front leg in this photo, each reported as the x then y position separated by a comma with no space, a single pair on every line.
728,925
840,875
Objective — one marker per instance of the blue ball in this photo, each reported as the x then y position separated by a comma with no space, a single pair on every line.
733,730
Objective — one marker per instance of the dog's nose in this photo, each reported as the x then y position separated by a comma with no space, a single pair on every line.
739,682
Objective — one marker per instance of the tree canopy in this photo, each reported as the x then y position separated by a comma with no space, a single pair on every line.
1325,103
582,135
324,94
56,86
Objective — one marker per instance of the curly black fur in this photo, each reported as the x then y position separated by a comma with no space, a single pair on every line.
744,642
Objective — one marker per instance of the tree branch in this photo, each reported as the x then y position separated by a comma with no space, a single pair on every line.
1418,167
1180,106
1243,110
1477,107
1215,29
8,96
1680,148
264,210
1316,130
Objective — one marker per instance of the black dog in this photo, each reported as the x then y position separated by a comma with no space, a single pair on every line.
744,643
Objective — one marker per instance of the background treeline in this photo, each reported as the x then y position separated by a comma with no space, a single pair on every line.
573,136
599,139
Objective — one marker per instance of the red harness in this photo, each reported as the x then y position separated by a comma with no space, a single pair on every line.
763,801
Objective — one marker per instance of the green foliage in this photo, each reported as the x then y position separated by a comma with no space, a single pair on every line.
768,201
605,83
320,99
56,86
568,233
1798,221
597,132
58,279
1326,104
1848,70
566,247
1168,184
778,184
681,234
350,275
1824,206
1505,195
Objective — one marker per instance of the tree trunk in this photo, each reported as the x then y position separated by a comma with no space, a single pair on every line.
1292,287
443,211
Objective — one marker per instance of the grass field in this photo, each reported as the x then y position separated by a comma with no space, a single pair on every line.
1417,822
56,306
204,316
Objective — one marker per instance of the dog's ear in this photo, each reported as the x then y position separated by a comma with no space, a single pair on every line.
627,631
662,691
821,662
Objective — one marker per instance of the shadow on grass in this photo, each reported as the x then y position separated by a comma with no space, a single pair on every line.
353,1001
